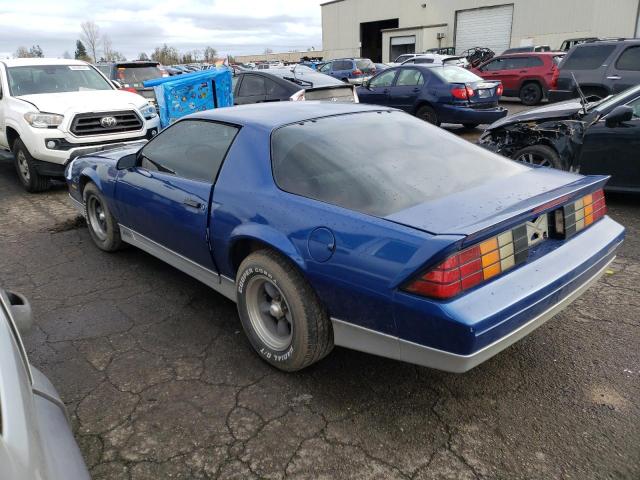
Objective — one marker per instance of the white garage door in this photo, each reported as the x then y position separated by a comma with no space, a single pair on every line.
484,27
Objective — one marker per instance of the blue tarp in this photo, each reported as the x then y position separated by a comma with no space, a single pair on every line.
192,92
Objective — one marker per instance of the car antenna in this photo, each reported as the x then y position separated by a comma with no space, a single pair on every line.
583,99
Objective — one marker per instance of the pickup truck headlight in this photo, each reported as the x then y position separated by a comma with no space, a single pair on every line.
43,120
148,112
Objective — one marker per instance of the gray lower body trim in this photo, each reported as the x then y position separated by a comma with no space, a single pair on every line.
79,206
219,283
369,341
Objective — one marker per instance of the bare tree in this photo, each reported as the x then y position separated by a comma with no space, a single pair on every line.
91,36
66,54
210,54
22,52
268,51
107,48
143,57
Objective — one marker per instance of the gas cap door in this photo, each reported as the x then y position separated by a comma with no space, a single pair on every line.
321,244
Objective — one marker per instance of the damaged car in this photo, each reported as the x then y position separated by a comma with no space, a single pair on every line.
591,138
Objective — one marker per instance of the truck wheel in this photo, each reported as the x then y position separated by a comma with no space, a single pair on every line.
531,94
31,180
103,228
280,313
428,114
540,155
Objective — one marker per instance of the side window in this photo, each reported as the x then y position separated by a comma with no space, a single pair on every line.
191,149
409,77
629,60
325,68
494,66
515,63
422,60
532,62
636,107
385,79
274,89
252,85
590,57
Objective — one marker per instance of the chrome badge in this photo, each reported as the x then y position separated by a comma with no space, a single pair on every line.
108,122
538,230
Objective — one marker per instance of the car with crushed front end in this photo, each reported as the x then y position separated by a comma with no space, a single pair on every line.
436,94
36,441
353,225
601,137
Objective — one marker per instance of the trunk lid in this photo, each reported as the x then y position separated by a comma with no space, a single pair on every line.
484,93
498,204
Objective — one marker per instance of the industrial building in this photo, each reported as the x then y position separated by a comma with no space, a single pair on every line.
383,29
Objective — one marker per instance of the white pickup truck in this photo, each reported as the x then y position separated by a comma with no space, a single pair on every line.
53,110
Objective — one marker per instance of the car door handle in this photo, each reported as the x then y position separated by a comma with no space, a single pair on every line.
193,203
614,77
416,90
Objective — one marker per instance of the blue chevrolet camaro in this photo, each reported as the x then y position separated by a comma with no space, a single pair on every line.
353,225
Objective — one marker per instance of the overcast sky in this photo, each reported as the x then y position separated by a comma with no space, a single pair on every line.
134,26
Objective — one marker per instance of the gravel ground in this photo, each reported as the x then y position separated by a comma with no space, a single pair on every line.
161,383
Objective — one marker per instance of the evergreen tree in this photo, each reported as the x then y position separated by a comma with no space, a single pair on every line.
81,51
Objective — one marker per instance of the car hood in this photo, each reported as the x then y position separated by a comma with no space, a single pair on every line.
87,101
555,111
496,203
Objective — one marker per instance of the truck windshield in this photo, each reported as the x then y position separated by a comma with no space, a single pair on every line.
37,79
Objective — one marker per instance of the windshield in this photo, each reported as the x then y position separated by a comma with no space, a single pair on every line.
134,76
400,162
54,79
615,100
452,74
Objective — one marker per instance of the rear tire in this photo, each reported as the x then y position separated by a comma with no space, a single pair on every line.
31,180
103,227
541,155
281,314
531,94
428,114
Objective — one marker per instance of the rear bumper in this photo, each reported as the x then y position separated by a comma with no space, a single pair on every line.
458,335
62,455
556,96
462,114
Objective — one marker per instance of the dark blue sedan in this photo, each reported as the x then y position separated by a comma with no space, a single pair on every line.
437,94
353,225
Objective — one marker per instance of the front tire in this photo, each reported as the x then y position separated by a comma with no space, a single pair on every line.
103,227
31,180
280,313
428,114
540,155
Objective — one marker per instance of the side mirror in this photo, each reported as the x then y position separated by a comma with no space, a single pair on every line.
619,115
127,162
367,84
117,84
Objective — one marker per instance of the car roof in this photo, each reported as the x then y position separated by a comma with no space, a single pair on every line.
27,62
273,115
529,54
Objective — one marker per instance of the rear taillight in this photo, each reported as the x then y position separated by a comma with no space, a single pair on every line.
470,92
298,96
460,93
500,90
130,89
555,77
357,73
472,266
577,216
480,263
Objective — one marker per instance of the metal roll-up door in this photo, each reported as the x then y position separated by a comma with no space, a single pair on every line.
484,27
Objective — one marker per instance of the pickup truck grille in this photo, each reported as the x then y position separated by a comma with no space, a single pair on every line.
85,124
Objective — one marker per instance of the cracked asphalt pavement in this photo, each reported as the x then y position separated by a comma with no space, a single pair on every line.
160,381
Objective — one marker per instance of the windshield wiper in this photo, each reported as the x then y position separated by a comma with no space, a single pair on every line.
299,81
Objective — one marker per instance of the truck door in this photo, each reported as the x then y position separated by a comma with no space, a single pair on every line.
3,114
166,196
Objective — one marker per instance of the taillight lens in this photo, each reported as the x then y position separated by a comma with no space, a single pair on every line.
357,73
500,90
130,89
298,96
460,93
555,77
470,92
496,255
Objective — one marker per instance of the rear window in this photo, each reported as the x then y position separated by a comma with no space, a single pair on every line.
365,64
629,60
589,57
399,163
134,76
453,74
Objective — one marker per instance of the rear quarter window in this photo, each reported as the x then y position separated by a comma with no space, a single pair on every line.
588,57
629,60
400,162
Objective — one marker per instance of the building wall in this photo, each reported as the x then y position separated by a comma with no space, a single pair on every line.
535,21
